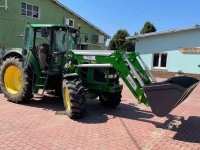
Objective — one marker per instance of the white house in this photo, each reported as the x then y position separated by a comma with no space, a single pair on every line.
167,52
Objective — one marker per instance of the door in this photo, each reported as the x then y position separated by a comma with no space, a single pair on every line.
27,45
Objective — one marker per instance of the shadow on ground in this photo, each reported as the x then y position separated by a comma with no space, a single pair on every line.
189,130
186,130
47,103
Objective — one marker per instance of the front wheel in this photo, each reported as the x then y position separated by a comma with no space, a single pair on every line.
73,98
110,99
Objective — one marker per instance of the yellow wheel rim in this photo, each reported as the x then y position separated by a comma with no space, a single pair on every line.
13,80
67,99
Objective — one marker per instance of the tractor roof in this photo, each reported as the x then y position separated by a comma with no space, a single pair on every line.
50,25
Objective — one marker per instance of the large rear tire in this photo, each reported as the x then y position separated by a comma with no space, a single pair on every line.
110,99
15,81
73,98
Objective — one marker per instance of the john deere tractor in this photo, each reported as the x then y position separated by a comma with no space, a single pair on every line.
51,59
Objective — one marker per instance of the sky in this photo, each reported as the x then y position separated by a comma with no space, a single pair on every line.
112,15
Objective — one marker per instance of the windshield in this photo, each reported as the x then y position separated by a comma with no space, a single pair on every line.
72,41
60,41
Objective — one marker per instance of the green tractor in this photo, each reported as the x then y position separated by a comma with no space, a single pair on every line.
51,59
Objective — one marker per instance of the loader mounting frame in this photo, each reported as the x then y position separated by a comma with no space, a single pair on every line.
140,82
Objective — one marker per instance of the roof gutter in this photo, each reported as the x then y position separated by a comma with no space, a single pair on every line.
60,4
163,32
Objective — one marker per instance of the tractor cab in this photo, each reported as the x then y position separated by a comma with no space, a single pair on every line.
49,44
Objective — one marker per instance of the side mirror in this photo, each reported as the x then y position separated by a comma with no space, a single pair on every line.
44,32
77,34
24,51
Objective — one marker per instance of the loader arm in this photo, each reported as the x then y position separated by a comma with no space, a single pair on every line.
116,60
143,86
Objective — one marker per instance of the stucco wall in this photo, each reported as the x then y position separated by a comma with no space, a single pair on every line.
170,43
12,22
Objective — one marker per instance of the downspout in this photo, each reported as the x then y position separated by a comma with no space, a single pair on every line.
5,6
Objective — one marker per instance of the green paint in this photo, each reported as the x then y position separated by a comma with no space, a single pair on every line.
118,62
34,63
49,25
12,22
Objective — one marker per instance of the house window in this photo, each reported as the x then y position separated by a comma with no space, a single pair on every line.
69,22
159,60
30,10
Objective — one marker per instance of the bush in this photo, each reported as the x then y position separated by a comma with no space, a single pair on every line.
180,72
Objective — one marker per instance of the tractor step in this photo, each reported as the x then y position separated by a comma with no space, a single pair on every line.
42,77
37,95
165,96
40,84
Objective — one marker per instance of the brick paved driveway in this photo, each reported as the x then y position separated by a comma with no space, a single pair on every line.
129,126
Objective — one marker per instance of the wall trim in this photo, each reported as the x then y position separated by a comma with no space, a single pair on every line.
189,50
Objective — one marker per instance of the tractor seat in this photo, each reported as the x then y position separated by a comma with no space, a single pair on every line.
42,54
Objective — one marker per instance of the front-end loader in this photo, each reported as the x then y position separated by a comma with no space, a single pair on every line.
51,59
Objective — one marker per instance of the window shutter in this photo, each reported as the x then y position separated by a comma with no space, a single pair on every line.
66,21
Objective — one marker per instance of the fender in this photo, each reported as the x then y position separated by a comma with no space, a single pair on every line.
66,76
33,63
15,52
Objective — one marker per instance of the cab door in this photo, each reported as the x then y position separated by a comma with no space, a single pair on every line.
27,46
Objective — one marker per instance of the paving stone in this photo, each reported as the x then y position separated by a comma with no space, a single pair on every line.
130,125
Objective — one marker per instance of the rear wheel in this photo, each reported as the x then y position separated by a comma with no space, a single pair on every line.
110,99
15,82
74,98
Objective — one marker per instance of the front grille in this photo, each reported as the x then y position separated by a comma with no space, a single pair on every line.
100,75
84,72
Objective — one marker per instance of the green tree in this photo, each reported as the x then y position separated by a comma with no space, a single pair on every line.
148,27
136,33
128,46
118,42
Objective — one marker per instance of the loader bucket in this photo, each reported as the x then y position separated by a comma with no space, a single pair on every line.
165,96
